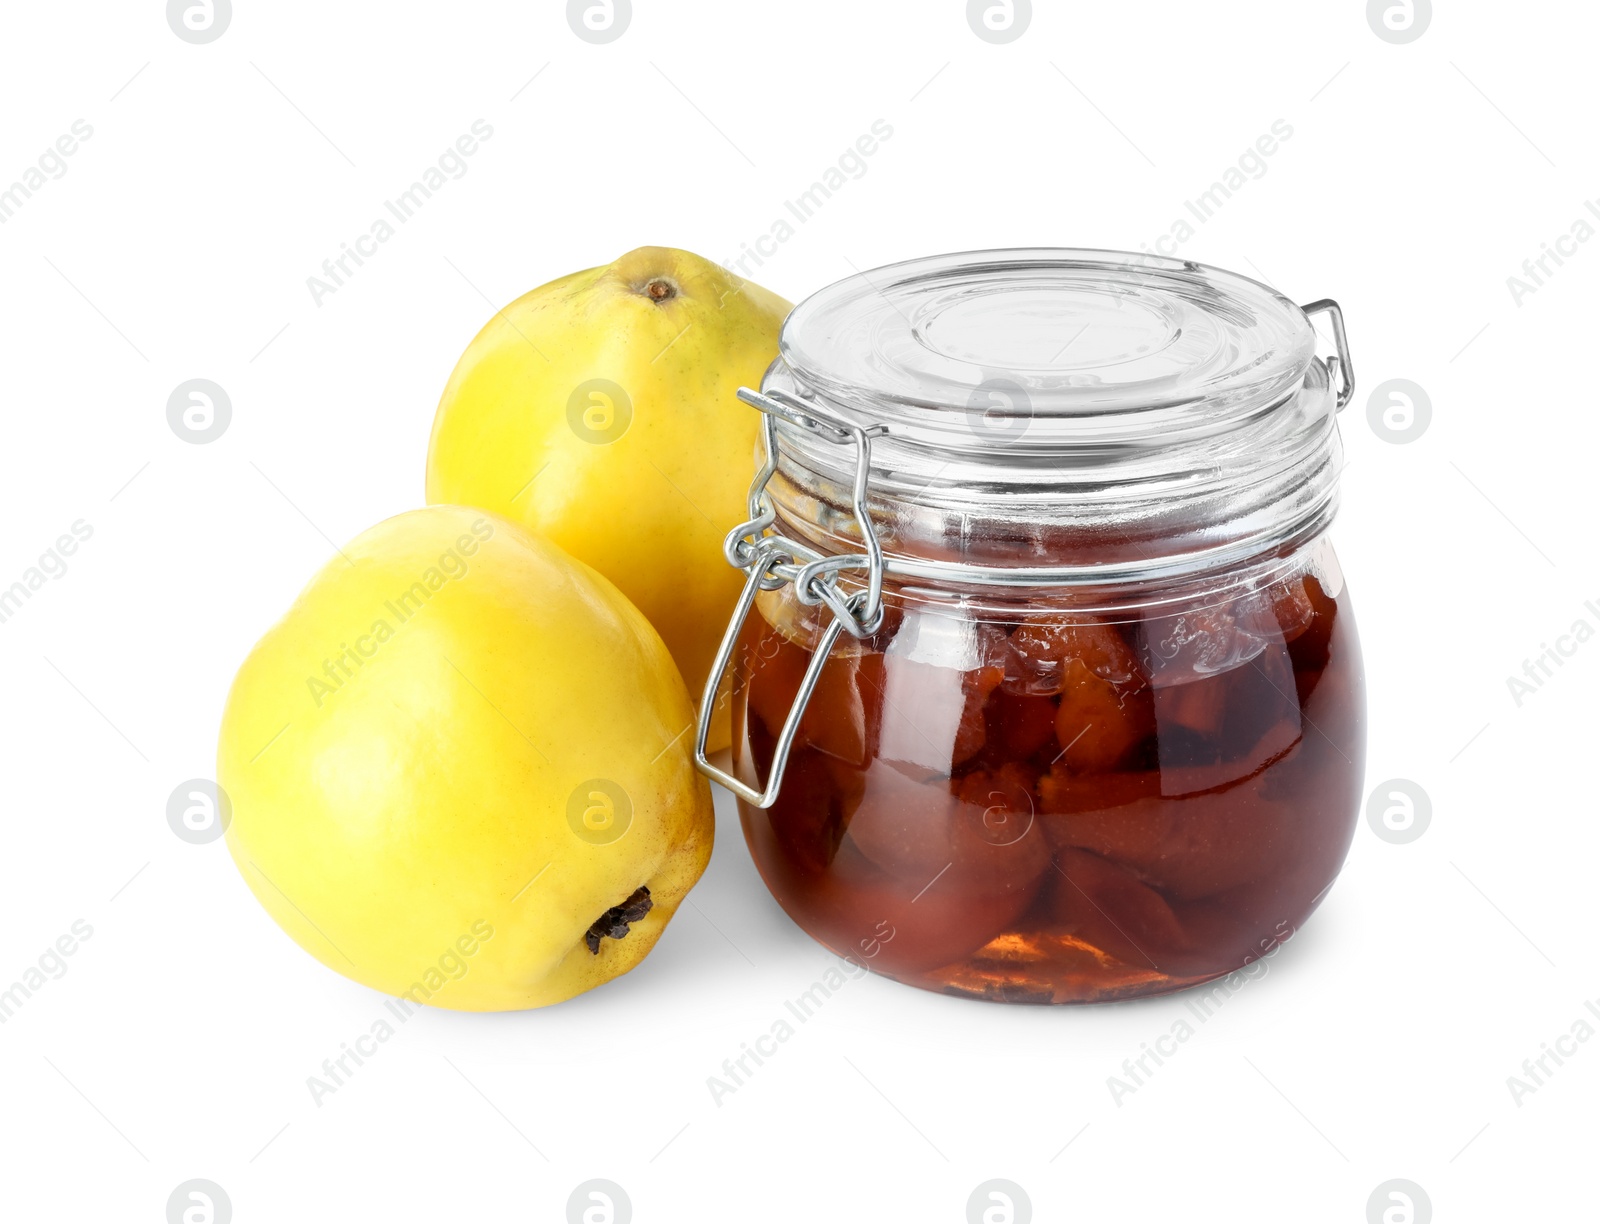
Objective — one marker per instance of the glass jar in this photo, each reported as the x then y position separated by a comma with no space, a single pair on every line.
1045,682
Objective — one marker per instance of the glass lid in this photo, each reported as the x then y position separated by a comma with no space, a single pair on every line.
1056,415
1112,345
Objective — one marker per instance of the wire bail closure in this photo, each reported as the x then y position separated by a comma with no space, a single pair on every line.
771,560
1341,363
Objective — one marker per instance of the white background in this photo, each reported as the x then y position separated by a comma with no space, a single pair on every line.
177,246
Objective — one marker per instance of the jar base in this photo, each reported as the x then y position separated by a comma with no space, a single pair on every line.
1046,969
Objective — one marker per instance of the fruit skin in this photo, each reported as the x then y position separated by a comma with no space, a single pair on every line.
650,507
410,800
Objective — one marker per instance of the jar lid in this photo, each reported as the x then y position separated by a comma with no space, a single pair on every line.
1056,416
1139,343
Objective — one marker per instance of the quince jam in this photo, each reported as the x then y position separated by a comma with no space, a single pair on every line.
1041,804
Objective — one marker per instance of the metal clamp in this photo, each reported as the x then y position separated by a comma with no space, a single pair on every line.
1341,363
771,560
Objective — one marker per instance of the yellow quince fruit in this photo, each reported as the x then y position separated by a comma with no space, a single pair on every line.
600,411
460,768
